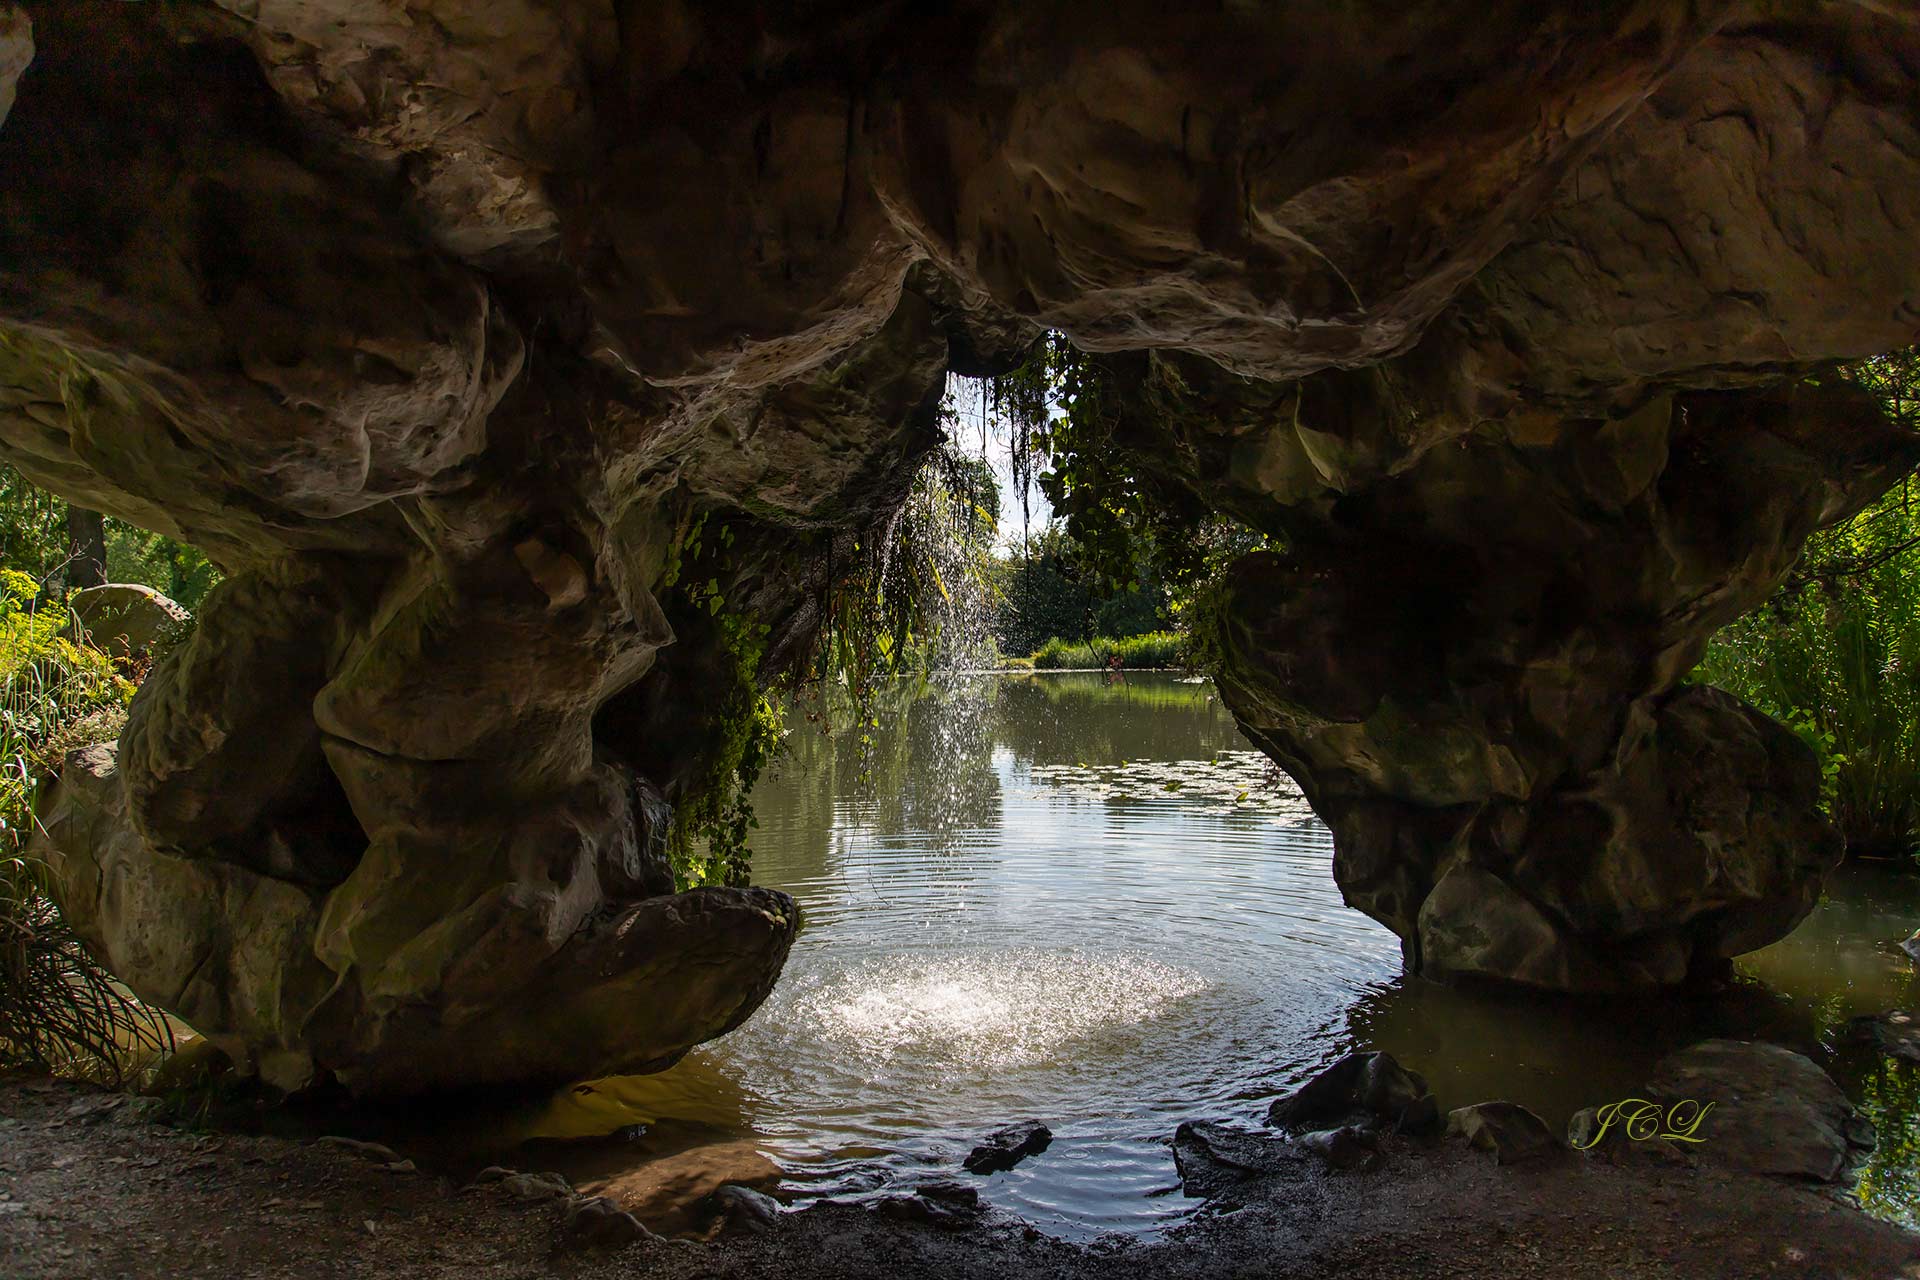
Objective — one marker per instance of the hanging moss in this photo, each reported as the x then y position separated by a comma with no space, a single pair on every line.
713,816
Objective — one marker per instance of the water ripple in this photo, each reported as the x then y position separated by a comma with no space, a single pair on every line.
1092,904
984,1009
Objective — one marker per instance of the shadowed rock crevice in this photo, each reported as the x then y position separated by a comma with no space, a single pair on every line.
443,336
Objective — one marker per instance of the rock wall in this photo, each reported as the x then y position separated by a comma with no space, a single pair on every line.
1475,671
442,325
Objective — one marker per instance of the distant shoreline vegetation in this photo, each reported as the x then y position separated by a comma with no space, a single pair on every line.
1155,649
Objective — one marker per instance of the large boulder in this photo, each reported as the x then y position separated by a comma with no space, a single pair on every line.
1491,715
232,951
534,379
127,619
1773,1111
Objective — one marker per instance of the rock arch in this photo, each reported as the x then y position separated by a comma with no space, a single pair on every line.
439,324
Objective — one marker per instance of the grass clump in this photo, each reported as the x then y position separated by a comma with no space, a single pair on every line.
1155,649
59,1009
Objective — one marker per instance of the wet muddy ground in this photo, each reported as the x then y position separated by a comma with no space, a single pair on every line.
92,1186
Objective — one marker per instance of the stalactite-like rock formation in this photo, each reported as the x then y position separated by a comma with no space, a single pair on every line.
441,325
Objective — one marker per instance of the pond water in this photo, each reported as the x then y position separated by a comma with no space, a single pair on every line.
1091,903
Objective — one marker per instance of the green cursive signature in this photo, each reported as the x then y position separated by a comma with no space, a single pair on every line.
1643,1120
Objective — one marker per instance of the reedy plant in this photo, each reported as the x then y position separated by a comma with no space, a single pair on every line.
59,1009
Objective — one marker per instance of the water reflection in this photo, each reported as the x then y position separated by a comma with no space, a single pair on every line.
1888,1092
1037,897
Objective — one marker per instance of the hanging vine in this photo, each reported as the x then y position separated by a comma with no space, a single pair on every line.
709,842
911,598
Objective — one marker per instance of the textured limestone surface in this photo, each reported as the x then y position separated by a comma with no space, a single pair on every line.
442,324
128,619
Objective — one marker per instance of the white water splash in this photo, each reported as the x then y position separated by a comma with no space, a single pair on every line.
989,1009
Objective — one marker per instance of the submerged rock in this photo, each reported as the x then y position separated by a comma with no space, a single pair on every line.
1513,1133
1895,1033
674,1194
1365,1090
1005,1148
1773,1111
1212,1158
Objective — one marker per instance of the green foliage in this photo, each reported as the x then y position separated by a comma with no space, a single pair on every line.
1118,518
1134,551
171,567
1155,649
714,817
1047,591
33,540
915,596
1889,1183
58,1007
1044,591
1836,655
889,610
1836,652
59,1010
55,695
33,527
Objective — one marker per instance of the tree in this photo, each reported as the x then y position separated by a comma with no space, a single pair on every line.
86,548
62,546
